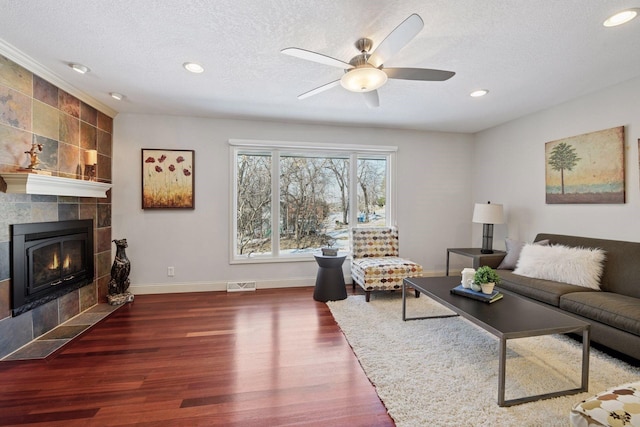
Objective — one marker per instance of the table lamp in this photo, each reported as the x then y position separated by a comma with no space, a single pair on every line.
487,215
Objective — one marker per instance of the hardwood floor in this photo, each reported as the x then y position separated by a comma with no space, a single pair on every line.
271,357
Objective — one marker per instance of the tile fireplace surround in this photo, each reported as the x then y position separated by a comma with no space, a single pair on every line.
49,343
32,110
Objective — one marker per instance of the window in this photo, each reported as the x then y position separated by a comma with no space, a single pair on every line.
289,200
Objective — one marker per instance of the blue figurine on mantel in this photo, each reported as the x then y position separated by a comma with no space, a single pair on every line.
120,270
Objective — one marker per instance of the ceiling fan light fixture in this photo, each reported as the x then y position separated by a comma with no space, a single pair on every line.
363,79
193,67
621,18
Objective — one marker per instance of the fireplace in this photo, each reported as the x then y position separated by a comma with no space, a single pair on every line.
49,260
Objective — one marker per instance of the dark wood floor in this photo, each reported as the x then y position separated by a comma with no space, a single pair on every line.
264,358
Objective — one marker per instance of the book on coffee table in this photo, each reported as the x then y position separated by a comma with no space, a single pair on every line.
469,293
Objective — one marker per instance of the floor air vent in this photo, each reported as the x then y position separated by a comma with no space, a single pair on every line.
241,286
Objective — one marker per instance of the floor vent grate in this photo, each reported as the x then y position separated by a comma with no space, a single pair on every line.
241,286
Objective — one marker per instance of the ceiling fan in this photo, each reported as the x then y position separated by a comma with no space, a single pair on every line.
365,72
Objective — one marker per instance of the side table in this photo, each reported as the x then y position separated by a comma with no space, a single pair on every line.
330,279
479,259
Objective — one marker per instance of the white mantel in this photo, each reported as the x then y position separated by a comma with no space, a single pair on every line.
33,183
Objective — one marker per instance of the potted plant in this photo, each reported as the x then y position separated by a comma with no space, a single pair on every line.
485,279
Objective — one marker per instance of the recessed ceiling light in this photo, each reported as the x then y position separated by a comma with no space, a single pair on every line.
117,96
621,18
479,93
82,69
193,67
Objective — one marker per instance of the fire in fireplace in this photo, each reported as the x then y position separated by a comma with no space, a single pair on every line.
49,259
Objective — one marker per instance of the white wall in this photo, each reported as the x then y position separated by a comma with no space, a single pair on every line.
509,168
434,199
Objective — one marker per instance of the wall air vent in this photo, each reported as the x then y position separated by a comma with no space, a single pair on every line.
241,286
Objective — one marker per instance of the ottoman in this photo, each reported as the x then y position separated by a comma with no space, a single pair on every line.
618,406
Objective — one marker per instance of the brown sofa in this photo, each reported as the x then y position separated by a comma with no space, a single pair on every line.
613,312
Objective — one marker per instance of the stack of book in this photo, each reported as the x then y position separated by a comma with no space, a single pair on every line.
469,293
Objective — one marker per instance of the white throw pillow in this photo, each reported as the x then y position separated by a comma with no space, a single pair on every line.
573,265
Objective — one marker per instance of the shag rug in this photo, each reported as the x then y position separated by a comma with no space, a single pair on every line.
444,372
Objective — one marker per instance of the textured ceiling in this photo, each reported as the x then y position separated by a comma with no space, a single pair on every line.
530,55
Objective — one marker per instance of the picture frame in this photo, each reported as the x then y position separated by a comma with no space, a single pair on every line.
586,169
168,179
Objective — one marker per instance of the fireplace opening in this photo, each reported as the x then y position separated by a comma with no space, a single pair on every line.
49,260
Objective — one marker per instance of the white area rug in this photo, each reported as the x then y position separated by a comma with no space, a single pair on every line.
444,372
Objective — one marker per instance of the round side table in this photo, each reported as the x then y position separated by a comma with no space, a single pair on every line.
330,280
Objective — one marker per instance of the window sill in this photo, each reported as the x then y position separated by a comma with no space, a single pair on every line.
257,259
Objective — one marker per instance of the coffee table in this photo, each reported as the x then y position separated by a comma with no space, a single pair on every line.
511,317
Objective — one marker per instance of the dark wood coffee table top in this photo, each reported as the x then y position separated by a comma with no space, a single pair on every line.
511,317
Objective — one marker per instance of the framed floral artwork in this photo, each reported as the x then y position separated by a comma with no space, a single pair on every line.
167,179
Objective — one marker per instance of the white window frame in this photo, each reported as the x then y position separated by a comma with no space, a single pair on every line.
276,147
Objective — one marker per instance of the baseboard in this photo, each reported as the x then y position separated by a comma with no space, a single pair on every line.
173,288
439,273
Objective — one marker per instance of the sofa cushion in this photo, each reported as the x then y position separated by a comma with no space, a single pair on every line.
576,266
546,291
375,274
618,311
514,247
621,271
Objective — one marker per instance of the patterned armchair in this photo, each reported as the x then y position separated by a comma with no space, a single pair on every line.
376,265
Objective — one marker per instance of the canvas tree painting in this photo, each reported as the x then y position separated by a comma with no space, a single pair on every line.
586,168
167,179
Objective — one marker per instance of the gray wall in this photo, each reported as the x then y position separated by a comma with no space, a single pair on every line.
440,176
509,168
433,188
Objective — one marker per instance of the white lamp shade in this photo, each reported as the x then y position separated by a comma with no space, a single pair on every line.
488,213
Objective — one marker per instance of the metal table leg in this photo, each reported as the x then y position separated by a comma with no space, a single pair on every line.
404,306
584,382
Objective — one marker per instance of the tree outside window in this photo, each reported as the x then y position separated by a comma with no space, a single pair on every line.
313,207
253,201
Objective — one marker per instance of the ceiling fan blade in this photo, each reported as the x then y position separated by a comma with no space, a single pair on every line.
371,98
396,40
319,89
425,74
316,57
